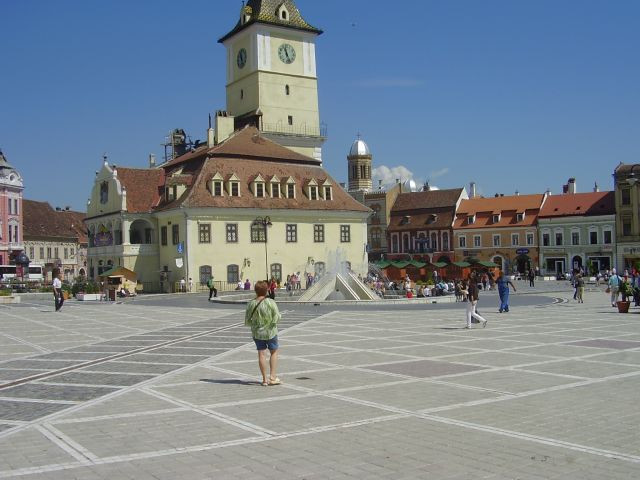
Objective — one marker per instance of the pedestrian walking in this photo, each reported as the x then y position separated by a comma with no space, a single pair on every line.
190,285
614,287
213,291
273,285
262,315
532,278
472,293
183,285
580,288
503,291
58,295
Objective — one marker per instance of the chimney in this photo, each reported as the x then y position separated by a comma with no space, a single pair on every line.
517,193
571,186
225,125
548,192
67,208
596,188
472,190
426,187
152,160
58,209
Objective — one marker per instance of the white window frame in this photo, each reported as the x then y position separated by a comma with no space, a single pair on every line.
462,241
497,237
477,241
516,237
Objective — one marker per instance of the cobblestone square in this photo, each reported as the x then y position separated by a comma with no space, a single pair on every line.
365,394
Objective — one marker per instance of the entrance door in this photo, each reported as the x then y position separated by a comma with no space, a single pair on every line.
559,267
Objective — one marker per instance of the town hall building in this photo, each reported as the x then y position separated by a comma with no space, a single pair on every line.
254,201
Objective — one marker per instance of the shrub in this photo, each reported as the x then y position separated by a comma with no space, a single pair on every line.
5,293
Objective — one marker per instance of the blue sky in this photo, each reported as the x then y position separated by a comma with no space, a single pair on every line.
515,95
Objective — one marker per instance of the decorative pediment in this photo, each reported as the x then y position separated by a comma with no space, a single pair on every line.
217,176
274,179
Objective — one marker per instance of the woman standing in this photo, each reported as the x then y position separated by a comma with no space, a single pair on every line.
503,291
473,294
262,315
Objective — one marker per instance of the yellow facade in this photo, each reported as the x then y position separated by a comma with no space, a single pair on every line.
253,260
283,94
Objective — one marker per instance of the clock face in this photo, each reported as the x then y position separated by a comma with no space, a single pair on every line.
286,53
242,58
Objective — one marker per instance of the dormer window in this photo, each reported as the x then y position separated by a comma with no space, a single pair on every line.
283,13
275,187
259,189
217,188
328,193
291,188
519,217
432,219
406,220
233,186
471,219
496,218
245,15
312,190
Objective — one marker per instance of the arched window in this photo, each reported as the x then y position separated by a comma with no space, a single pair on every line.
205,274
233,273
394,243
405,243
434,241
445,242
287,90
276,271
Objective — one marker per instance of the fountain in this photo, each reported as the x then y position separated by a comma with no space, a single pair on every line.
338,283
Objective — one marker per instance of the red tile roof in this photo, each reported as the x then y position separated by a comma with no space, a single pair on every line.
143,186
586,204
43,221
245,143
508,207
415,201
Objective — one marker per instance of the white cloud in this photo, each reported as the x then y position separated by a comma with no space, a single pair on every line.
389,83
439,173
389,175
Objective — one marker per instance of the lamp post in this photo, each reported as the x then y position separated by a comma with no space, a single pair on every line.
264,222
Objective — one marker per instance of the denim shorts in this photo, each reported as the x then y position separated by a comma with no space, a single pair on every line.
271,344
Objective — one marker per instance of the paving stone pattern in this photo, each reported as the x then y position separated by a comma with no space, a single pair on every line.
366,394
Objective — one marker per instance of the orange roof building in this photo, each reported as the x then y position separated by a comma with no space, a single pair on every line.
501,229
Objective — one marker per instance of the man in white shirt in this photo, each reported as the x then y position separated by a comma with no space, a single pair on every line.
57,290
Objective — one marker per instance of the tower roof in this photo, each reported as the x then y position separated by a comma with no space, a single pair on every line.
3,162
266,11
359,148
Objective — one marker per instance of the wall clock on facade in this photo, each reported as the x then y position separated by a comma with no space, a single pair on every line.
286,53
242,58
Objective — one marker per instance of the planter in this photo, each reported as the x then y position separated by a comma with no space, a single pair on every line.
85,297
623,307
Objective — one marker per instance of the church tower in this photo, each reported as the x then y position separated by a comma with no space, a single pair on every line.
271,75
360,159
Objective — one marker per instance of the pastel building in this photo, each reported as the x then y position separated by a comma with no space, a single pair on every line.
11,226
577,232
501,229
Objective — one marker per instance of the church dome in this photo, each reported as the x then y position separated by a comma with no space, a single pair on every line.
359,149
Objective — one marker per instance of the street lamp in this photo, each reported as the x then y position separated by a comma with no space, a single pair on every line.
264,222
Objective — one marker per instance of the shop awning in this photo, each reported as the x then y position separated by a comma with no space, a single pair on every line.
439,264
461,264
383,263
120,272
487,264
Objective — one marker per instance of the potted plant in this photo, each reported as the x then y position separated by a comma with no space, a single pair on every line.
626,291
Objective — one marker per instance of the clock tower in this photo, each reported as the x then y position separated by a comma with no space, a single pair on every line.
271,75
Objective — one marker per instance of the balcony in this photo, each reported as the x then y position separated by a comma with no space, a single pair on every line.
295,130
125,250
